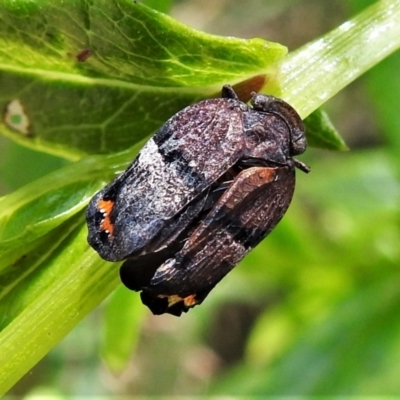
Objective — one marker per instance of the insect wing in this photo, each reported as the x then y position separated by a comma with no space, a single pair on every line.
136,272
244,215
169,172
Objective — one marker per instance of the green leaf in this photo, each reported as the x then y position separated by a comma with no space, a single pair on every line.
386,102
123,315
321,132
69,283
81,78
54,292
317,71
162,6
44,255
37,208
23,279
354,352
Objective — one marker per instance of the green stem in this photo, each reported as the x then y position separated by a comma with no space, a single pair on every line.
309,77
320,69
82,281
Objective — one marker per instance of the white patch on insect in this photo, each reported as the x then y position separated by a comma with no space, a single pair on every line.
168,185
15,117
149,154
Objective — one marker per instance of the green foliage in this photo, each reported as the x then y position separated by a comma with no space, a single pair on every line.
335,331
142,68
321,132
123,314
333,259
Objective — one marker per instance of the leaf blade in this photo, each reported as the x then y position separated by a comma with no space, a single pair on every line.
132,59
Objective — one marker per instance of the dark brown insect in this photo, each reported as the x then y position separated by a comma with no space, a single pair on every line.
206,189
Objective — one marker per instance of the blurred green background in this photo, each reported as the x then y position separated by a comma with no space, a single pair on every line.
315,309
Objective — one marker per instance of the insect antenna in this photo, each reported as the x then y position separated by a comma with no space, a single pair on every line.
303,167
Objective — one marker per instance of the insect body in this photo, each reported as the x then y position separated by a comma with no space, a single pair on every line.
207,188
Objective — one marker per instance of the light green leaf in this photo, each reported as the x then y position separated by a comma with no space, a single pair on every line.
51,93
34,210
69,283
321,132
355,352
123,315
81,78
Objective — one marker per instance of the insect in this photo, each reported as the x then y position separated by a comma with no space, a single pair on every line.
213,181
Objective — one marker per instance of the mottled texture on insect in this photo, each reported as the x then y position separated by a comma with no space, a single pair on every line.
206,188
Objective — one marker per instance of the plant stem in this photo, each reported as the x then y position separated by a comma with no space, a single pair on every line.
82,282
309,77
320,69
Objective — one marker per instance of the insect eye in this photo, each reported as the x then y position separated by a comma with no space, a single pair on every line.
298,143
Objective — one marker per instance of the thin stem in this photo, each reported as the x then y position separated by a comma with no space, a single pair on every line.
309,77
81,285
320,69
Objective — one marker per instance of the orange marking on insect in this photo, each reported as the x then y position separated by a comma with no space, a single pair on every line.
105,207
190,301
